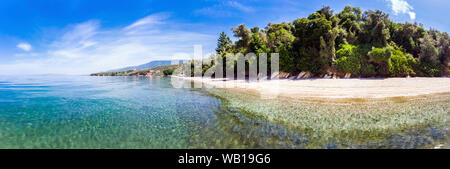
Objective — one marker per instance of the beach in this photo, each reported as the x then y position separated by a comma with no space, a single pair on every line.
114,112
353,113
335,88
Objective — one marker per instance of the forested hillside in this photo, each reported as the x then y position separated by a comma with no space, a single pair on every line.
365,44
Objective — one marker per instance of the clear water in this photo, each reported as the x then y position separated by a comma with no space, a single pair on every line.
111,112
135,112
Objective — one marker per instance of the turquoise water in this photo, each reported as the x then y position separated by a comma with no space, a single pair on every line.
137,112
115,112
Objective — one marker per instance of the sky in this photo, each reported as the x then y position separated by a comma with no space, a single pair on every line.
85,36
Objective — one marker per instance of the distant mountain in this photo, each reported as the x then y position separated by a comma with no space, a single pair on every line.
148,65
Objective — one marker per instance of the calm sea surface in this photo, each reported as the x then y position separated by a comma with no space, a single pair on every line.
126,112
112,112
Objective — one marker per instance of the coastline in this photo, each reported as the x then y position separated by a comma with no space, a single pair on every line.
413,121
334,89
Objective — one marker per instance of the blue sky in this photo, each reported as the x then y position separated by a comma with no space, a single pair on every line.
85,36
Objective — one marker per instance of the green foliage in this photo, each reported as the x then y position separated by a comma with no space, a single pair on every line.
350,18
368,44
348,59
429,69
375,29
287,63
391,61
279,34
428,51
310,49
257,44
401,64
244,36
155,71
168,72
407,36
350,22
380,55
223,43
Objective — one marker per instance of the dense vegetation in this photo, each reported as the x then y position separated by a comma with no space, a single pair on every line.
155,71
168,72
365,44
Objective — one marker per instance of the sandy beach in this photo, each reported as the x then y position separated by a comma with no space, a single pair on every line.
335,88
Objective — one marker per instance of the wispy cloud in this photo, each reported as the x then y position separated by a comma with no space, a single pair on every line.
150,20
24,46
240,6
227,8
87,47
402,7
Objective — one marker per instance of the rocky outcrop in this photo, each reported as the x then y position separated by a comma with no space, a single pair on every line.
262,76
347,76
280,75
304,75
275,75
300,75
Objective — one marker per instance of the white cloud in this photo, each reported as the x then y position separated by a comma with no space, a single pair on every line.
412,15
402,7
24,46
87,47
225,8
240,6
150,20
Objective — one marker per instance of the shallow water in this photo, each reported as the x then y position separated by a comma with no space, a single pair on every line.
136,112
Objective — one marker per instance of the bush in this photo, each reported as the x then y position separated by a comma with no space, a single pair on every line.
428,69
348,59
287,63
400,64
380,55
168,72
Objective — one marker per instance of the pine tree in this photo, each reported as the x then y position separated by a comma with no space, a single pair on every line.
223,43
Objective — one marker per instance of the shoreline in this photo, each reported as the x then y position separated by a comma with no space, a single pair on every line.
335,89
365,123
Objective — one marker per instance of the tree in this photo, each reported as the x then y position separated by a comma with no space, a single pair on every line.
279,34
365,44
348,60
223,43
428,51
326,11
350,20
382,59
308,34
444,53
168,72
401,64
408,36
244,36
279,40
256,44
375,29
